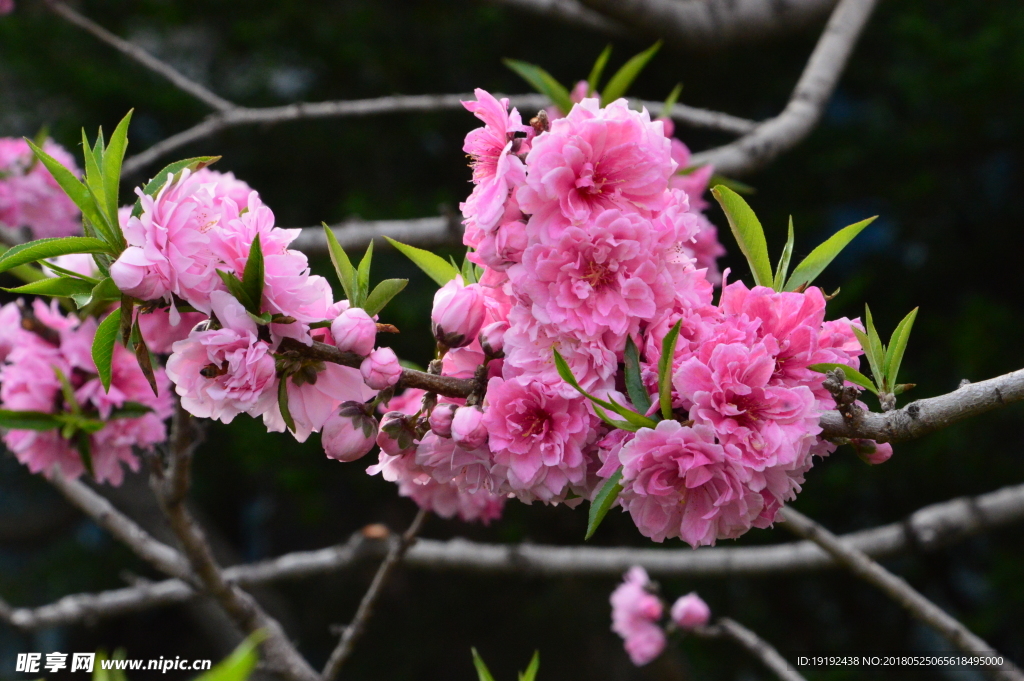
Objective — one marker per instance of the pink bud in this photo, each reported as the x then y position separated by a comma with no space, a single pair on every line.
458,313
468,428
396,435
492,338
872,452
354,331
381,369
690,612
441,418
348,434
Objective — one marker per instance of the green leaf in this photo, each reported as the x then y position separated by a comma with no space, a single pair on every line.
236,289
635,387
342,266
142,355
84,447
670,101
599,507
787,253
531,672
130,410
253,275
363,274
468,270
113,157
173,169
614,423
103,346
56,269
106,289
28,420
282,403
631,417
594,79
42,249
543,82
239,665
815,263
72,186
382,295
877,349
732,183
435,267
852,375
94,176
668,351
482,672
748,232
625,76
62,287
897,346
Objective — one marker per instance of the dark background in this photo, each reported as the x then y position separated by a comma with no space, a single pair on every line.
925,130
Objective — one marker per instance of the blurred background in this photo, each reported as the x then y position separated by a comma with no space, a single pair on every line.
926,130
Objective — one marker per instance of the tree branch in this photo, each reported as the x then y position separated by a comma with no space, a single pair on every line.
900,591
753,644
353,631
777,135
927,529
567,11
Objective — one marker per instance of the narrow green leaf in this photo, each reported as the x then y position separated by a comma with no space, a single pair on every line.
174,170
433,265
531,671
84,447
639,420
602,503
482,672
865,343
787,253
594,79
57,269
130,410
668,351
670,101
614,423
42,249
28,420
62,287
732,183
93,174
106,289
897,346
382,295
142,356
282,403
113,157
236,289
253,276
103,346
852,375
239,665
748,232
877,349
625,76
127,317
543,82
363,274
342,265
468,270
72,186
815,263
635,387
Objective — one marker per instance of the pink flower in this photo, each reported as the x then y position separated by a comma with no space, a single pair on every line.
408,401
458,313
635,616
468,429
397,435
492,338
381,369
220,373
348,434
29,196
160,334
690,611
872,452
312,403
354,331
6,7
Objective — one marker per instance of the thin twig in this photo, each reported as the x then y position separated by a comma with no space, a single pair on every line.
354,630
753,644
900,591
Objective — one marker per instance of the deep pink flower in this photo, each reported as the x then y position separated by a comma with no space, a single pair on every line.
690,611
635,615
408,401
381,369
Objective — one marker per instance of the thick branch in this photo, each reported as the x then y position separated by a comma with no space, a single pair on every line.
753,644
900,591
568,11
929,414
821,74
353,631
357,234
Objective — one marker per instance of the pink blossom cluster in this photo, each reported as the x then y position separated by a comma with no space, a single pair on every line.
637,612
48,347
29,196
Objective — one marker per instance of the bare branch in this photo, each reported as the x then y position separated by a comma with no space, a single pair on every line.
929,414
161,556
568,11
753,644
713,24
777,135
900,591
357,234
161,68
353,631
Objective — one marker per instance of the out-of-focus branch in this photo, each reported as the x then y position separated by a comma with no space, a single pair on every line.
171,487
900,591
753,644
927,529
354,630
711,24
357,234
777,135
568,11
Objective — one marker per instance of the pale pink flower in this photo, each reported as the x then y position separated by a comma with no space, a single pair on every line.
161,334
29,196
348,433
354,331
458,313
468,429
635,616
690,611
311,404
441,419
381,369
492,338
408,401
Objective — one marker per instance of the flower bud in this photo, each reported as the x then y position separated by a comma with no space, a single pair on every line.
381,369
690,612
492,339
441,419
354,331
458,313
397,434
468,428
348,434
872,452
